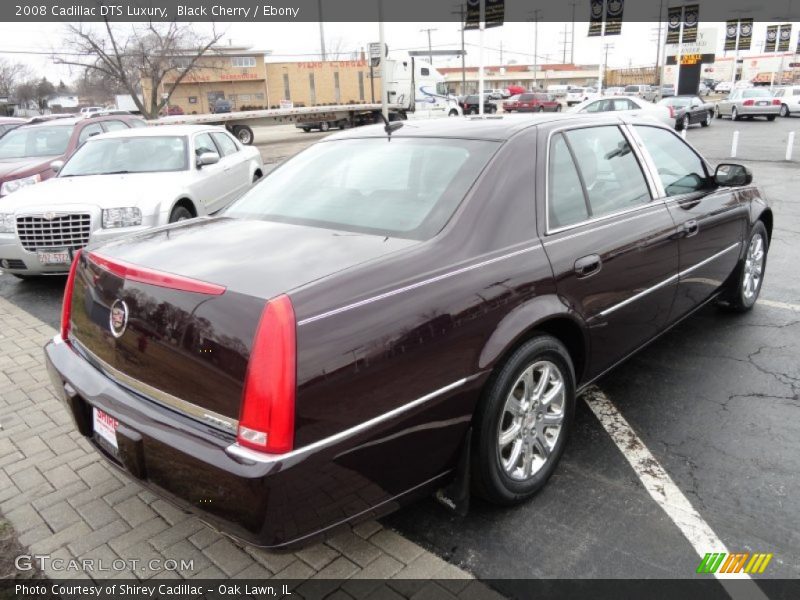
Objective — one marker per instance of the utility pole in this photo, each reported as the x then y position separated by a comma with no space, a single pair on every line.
658,45
564,45
535,20
501,53
606,48
430,47
384,71
460,12
321,32
572,43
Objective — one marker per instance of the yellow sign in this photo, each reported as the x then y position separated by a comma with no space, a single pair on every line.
691,59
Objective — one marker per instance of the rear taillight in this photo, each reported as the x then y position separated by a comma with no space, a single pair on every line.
266,420
747,103
140,274
66,305
776,102
671,111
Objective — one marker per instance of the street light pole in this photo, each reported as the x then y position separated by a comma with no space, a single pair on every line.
321,32
430,47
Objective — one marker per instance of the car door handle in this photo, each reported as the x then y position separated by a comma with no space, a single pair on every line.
691,228
588,265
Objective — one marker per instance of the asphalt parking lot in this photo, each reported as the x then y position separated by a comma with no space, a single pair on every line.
715,402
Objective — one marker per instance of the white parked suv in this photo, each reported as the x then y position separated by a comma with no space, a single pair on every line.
645,92
790,99
577,95
122,183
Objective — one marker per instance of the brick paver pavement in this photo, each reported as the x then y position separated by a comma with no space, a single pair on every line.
64,500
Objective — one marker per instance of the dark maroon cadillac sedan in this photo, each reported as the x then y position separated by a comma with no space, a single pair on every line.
386,316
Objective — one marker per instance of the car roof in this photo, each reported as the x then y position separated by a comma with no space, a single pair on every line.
77,119
159,130
493,128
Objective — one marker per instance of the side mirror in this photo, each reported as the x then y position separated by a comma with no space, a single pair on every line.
57,165
732,175
207,158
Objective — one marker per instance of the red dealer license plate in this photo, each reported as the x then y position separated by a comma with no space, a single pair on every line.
105,428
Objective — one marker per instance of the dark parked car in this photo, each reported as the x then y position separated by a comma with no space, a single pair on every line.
379,319
532,102
27,151
689,110
9,123
221,105
470,105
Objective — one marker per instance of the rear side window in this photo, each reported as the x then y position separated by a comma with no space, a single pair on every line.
566,203
526,97
610,171
680,169
114,125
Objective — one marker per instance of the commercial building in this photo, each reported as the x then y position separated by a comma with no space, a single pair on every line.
527,76
248,81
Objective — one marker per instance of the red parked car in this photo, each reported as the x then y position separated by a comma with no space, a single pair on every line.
9,123
27,152
532,102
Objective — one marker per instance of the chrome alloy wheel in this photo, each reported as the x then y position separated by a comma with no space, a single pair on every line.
753,266
532,420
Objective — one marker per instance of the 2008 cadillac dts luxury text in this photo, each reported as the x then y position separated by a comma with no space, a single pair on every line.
396,311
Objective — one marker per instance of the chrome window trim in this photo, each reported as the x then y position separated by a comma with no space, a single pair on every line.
416,285
676,277
208,417
643,168
640,209
260,457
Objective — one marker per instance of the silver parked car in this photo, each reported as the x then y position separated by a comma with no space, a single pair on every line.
645,92
749,102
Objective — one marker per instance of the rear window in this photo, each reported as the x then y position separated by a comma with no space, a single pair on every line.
526,97
756,93
406,187
28,142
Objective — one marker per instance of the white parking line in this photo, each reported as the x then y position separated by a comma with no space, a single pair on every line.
662,489
783,305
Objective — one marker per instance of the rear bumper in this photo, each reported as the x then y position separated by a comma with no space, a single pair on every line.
277,502
754,111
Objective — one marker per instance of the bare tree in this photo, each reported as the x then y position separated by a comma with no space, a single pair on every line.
336,50
160,54
11,75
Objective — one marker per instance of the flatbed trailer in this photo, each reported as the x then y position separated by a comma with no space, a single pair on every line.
241,123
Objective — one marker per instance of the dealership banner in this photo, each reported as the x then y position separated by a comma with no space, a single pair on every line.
495,13
745,34
731,34
596,18
690,16
784,36
614,17
674,21
473,20
772,38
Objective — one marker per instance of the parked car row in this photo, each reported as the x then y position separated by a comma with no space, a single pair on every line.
532,102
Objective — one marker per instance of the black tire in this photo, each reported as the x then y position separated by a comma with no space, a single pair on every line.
717,113
685,122
307,129
735,297
472,111
706,120
344,124
771,117
734,114
25,277
558,108
453,113
324,126
785,112
244,134
489,478
180,213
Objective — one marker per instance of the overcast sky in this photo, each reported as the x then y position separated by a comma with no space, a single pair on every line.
300,41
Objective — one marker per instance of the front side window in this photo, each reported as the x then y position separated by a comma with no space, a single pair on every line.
611,173
406,187
680,169
226,145
203,143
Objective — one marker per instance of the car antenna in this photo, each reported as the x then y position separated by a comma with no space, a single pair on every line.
389,127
